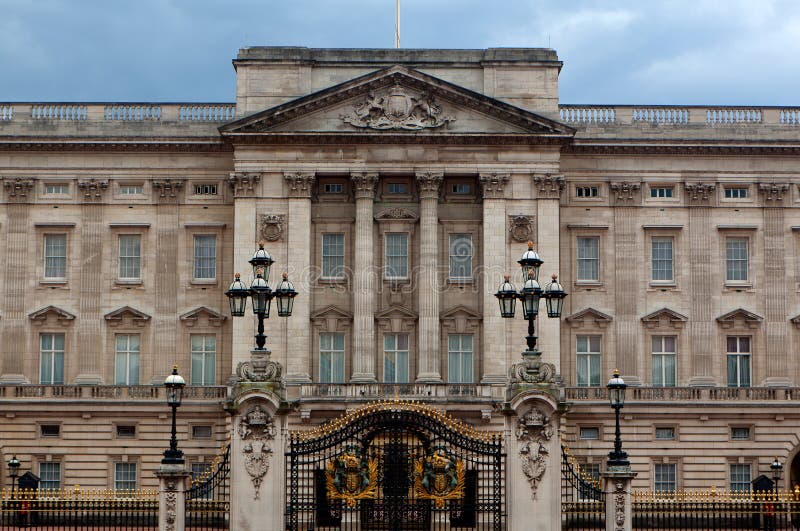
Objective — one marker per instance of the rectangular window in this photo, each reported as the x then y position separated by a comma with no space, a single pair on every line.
589,258
740,433
665,434
204,359
333,256
459,353
590,434
205,257
126,359
126,431
661,191
205,189
55,256
588,354
461,256
201,432
740,477
587,191
333,188
51,356
736,259
396,255
131,189
396,188
58,189
124,476
663,352
50,430
736,192
130,257
665,477
395,358
49,476
331,358
662,260
461,188
738,348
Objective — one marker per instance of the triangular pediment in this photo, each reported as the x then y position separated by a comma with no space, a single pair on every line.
664,315
589,315
331,319
396,312
126,312
750,319
191,317
460,311
40,316
397,100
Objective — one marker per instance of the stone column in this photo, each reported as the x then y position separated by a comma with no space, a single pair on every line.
495,358
17,279
533,477
364,280
548,244
626,296
165,340
90,331
775,282
298,326
172,485
702,329
619,513
429,367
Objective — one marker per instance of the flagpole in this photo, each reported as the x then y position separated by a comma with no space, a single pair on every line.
397,24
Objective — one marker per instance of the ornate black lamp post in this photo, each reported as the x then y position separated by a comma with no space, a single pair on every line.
616,395
174,384
776,468
261,294
13,472
529,295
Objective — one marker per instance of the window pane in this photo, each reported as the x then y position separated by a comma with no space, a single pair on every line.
589,258
460,358
331,358
130,256
49,476
51,359
397,255
333,255
461,256
662,259
203,356
736,259
205,257
55,256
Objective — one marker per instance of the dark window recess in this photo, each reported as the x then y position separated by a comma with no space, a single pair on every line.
50,430
201,432
396,188
461,188
591,434
665,433
333,188
740,434
126,431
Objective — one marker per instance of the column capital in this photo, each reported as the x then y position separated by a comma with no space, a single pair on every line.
168,189
17,189
429,183
549,185
300,183
699,193
364,184
625,192
92,189
243,184
773,192
494,185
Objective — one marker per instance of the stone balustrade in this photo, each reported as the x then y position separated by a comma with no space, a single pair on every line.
117,112
624,115
108,392
684,394
382,391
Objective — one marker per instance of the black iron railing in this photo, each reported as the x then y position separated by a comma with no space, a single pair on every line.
583,502
208,501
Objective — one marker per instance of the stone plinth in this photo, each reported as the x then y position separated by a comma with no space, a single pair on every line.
619,514
172,484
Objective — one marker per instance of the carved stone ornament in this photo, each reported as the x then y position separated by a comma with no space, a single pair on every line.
699,191
534,431
397,108
168,188
92,189
243,184
257,429
260,368
17,189
396,213
171,505
773,191
300,183
429,183
271,227
619,506
625,191
549,186
493,185
520,228
364,184
533,370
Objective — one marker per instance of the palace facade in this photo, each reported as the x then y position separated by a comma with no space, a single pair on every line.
396,188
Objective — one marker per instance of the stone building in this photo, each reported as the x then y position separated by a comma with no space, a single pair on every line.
396,188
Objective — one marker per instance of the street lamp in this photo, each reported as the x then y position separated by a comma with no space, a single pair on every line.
616,395
13,472
260,293
174,385
776,468
529,295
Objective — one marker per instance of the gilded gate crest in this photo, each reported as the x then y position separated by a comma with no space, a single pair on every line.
439,477
351,477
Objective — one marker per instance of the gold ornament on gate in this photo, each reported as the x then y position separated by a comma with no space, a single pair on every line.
352,477
439,477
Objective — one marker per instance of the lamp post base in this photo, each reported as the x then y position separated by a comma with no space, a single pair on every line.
173,457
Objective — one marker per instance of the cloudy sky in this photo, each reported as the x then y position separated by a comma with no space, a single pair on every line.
743,52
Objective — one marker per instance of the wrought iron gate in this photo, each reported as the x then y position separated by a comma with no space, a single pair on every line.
583,502
208,501
395,466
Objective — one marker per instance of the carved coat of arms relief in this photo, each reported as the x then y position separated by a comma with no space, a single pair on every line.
398,108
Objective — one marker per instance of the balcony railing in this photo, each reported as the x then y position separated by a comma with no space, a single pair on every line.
380,391
108,392
687,394
682,116
117,112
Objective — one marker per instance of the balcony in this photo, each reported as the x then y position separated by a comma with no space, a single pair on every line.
383,391
607,116
687,394
121,393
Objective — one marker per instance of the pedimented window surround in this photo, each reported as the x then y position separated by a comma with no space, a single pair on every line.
397,320
126,317
202,317
396,220
331,320
51,316
664,319
461,320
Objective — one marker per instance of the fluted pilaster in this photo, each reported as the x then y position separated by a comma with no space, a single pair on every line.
429,367
16,274
90,351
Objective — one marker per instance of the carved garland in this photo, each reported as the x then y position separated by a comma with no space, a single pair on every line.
619,506
534,431
258,429
171,498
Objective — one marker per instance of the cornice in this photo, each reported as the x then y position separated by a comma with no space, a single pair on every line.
211,145
623,146
361,137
